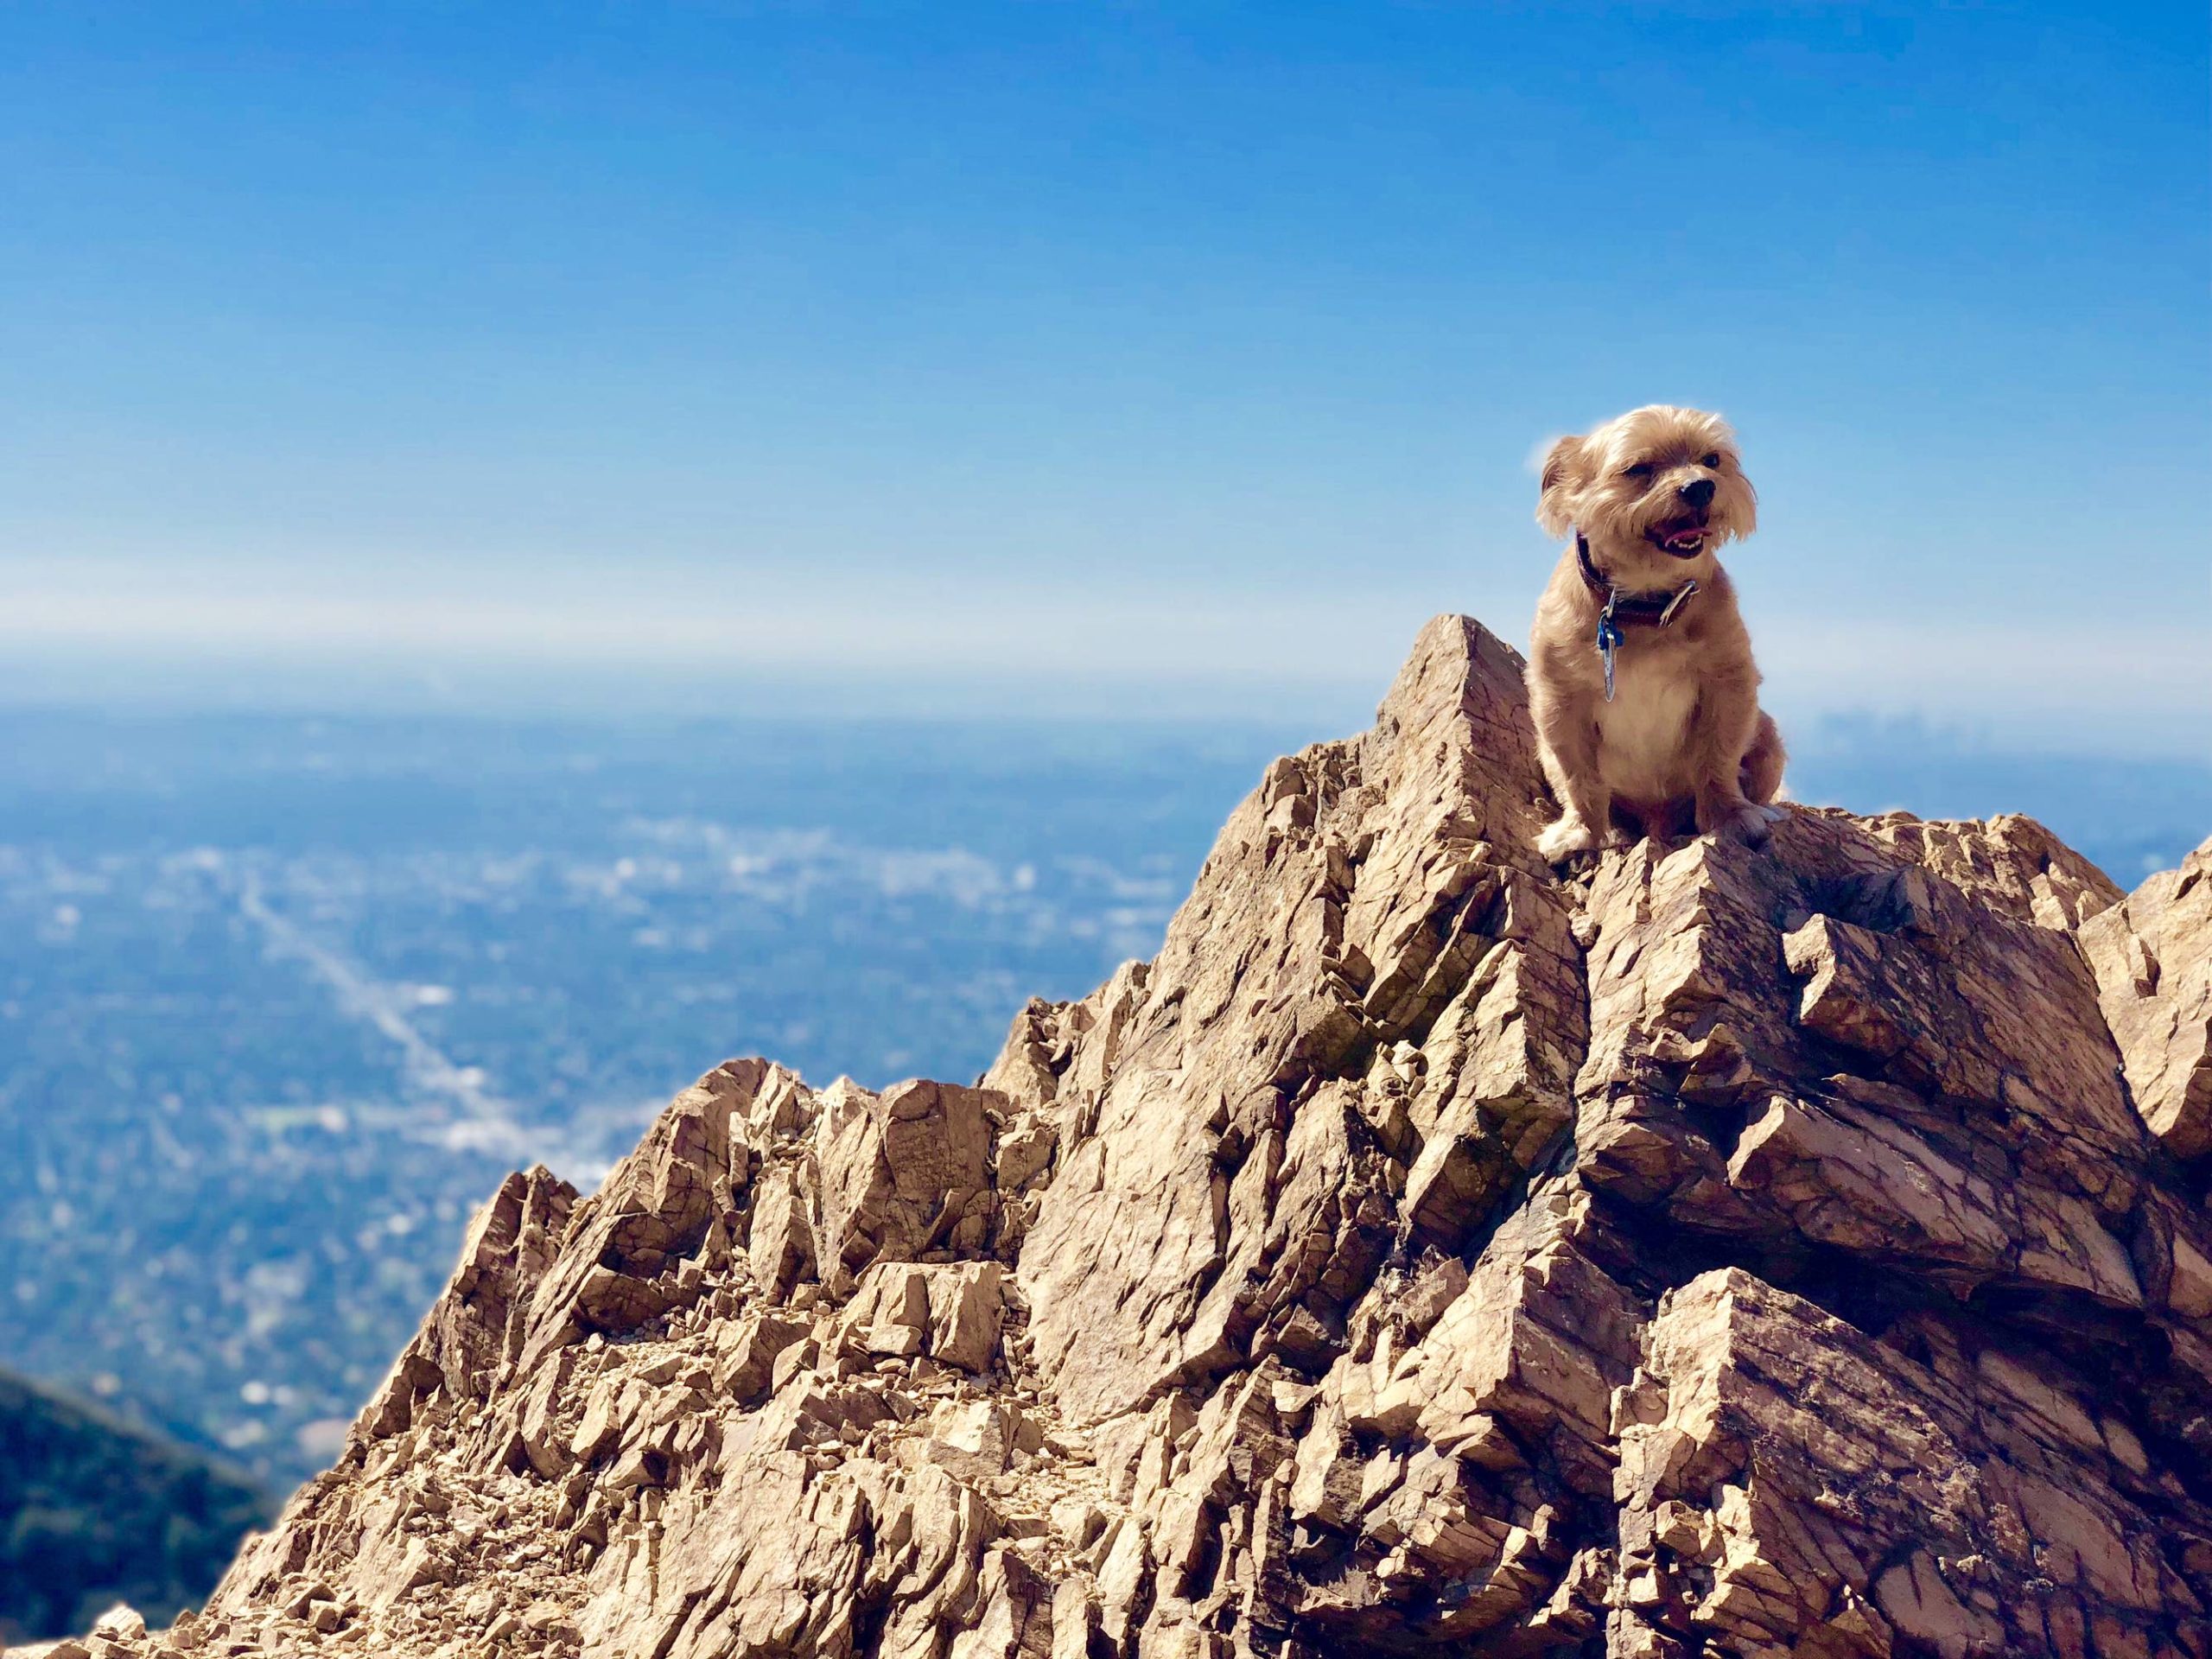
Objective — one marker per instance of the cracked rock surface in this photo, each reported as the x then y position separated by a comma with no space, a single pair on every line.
1709,1251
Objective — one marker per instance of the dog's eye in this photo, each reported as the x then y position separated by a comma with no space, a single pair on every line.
1641,469
1713,460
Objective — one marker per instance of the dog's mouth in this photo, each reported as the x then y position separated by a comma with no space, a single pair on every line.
1682,538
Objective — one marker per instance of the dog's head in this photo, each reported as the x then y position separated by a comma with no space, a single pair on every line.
1656,491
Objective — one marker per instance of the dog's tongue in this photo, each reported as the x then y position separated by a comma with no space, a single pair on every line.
1689,536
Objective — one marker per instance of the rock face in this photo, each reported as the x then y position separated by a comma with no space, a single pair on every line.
1802,1251
2154,976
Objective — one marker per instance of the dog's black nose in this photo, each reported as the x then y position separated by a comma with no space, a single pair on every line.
1699,493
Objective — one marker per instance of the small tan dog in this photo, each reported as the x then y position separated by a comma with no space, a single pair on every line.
1640,671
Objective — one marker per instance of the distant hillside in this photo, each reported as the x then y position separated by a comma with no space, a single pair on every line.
93,1511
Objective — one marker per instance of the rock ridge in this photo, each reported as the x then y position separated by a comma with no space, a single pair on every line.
1802,1251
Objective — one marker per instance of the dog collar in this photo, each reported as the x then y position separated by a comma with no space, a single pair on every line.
1629,609
1624,610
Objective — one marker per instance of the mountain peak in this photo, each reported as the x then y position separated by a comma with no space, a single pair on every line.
1799,1250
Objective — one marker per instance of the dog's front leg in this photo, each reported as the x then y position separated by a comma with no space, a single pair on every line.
1566,742
1721,730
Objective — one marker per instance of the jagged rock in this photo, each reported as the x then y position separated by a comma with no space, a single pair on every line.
952,1313
2152,954
1800,1251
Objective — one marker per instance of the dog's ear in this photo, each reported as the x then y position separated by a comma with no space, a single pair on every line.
1564,465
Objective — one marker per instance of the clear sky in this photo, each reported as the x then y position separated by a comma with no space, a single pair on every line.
1091,357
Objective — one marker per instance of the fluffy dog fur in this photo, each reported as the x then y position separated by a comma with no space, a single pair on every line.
1655,493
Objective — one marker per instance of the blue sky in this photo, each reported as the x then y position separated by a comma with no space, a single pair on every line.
1090,357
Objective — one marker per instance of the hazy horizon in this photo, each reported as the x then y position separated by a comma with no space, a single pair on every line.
2151,704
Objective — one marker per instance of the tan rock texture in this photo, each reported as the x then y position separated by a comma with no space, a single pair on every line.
1706,1251
2154,975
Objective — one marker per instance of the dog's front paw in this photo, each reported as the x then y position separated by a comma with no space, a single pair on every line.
1737,821
1568,836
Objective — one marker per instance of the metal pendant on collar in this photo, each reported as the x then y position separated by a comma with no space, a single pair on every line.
1641,609
1610,640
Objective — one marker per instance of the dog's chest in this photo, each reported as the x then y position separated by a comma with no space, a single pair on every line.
1643,732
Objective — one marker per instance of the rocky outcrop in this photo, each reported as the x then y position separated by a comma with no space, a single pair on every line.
2154,977
1709,1251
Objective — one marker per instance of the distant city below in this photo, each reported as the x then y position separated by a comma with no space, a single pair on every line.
281,999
